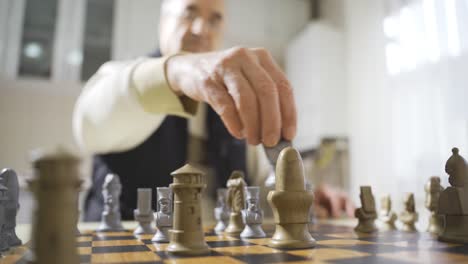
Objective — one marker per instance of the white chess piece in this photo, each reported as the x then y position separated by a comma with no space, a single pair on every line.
163,216
111,218
221,211
144,214
252,214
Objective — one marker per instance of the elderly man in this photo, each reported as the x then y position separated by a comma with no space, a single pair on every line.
133,114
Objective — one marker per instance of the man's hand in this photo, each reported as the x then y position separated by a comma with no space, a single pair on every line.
244,86
331,202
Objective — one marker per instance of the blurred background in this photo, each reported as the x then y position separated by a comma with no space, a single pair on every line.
381,85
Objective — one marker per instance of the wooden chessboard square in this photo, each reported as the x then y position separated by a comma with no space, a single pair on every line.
145,236
343,242
375,248
123,237
351,235
258,241
281,257
158,246
204,260
113,233
228,243
115,249
425,256
84,244
324,254
256,249
84,250
219,238
125,257
84,238
108,243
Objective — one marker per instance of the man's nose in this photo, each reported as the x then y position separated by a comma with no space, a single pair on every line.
200,27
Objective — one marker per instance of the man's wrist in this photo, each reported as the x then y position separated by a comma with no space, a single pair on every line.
170,70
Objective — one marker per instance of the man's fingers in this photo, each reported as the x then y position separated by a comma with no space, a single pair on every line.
224,106
245,102
285,92
349,207
267,98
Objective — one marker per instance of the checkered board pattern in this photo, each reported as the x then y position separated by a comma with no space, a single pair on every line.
335,244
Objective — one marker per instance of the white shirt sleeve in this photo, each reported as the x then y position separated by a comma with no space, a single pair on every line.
109,115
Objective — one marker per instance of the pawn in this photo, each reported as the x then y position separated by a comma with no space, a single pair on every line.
387,217
433,190
10,180
366,214
163,215
111,217
409,216
290,203
144,213
252,215
236,193
221,211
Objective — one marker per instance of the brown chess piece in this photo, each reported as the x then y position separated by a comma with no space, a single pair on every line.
290,202
453,202
366,214
55,186
236,201
433,190
187,237
409,216
387,217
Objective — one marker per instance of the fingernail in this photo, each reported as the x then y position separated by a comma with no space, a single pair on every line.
290,132
270,140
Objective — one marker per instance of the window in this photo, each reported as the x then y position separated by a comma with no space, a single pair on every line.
97,36
419,32
37,39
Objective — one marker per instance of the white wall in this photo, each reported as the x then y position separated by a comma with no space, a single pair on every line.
316,68
33,114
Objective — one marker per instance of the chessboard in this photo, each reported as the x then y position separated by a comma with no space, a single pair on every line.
335,244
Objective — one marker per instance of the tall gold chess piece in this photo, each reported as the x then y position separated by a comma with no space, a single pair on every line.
433,190
236,200
56,186
187,237
290,202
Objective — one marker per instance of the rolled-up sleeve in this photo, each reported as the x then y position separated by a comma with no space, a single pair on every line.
113,114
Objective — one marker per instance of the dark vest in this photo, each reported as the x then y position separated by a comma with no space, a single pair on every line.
149,165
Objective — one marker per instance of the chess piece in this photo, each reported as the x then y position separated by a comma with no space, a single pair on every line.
252,214
56,187
187,237
144,213
433,190
366,214
111,218
221,211
387,217
409,216
453,201
236,195
10,180
272,154
290,203
3,235
163,215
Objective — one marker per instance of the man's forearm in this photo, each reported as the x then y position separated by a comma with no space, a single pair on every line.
118,109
